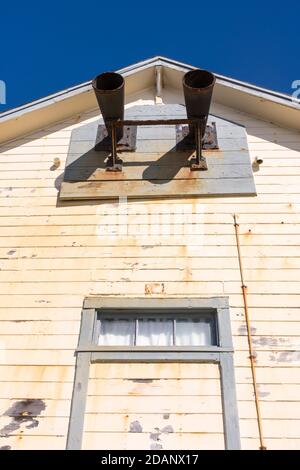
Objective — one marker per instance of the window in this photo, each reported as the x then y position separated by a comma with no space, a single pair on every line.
158,329
155,330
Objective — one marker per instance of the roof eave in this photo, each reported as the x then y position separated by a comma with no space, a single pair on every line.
276,107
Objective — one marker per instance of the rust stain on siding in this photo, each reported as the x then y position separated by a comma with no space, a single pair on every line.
155,288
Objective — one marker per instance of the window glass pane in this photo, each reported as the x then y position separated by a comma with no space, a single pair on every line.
155,332
195,332
116,332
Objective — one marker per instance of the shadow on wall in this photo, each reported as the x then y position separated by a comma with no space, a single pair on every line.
178,162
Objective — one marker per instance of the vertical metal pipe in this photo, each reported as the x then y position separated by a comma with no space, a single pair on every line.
113,144
249,335
158,84
198,144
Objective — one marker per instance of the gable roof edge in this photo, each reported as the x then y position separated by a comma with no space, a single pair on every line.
80,99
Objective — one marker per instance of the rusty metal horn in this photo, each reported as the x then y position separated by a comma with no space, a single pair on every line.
109,91
198,88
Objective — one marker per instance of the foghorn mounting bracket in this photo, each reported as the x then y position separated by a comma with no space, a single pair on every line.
185,140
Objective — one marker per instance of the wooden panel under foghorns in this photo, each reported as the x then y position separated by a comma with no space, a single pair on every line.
160,166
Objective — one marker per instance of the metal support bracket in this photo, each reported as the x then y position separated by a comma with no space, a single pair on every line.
105,144
199,165
126,144
199,162
185,140
112,165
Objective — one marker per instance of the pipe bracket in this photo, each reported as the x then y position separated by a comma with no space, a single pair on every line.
201,165
184,141
126,144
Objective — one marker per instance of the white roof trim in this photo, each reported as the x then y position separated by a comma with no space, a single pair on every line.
69,94
164,61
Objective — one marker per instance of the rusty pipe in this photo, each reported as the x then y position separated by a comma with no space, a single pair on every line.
109,91
249,336
198,87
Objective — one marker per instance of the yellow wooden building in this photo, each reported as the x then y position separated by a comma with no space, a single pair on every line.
154,307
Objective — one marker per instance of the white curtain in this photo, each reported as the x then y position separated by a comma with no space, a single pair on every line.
116,332
193,333
155,332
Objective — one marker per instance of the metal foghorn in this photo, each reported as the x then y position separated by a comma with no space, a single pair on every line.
109,91
198,87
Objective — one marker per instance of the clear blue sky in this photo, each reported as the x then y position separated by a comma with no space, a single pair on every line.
49,46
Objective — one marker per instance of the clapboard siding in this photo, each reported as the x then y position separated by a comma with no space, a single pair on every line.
68,313
160,412
53,254
142,441
209,274
36,374
190,286
52,291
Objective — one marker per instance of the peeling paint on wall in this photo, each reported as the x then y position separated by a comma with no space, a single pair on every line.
155,288
22,412
135,426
